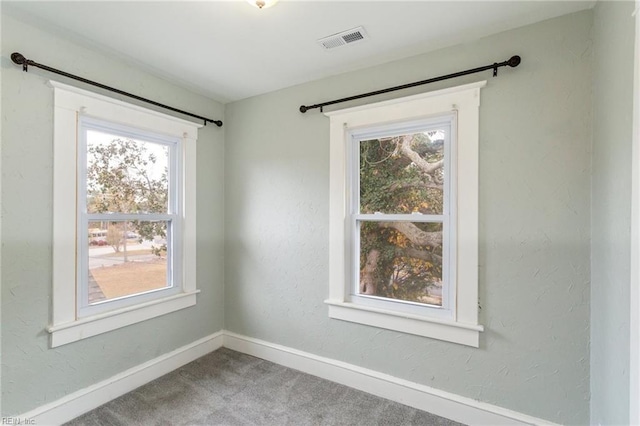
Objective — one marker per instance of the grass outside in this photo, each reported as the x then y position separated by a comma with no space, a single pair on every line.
131,277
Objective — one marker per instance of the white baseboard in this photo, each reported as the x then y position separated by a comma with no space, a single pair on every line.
78,403
441,403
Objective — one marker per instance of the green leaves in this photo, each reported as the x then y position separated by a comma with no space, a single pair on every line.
124,177
390,182
402,175
128,176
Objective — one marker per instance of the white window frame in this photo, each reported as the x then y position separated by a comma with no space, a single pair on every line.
460,324
70,104
173,215
447,217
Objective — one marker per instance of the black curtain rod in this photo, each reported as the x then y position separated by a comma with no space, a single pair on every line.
19,59
513,62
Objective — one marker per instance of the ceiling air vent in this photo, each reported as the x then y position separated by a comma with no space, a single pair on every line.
343,38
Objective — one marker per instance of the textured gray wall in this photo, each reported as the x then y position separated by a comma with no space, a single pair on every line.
534,224
33,374
613,33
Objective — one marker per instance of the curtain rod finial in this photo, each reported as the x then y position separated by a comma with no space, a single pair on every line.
514,61
18,58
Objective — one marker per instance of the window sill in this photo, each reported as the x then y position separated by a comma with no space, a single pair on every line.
61,334
450,331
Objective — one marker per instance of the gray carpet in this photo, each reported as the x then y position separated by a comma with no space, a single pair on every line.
230,388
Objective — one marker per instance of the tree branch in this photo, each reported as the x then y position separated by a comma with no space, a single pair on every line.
414,184
424,165
414,234
367,274
419,254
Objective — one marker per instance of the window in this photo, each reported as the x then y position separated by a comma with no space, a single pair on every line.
404,195
124,214
400,216
128,210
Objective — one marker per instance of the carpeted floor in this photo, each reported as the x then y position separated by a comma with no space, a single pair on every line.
230,388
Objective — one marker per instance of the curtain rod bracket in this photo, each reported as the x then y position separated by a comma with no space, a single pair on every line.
19,59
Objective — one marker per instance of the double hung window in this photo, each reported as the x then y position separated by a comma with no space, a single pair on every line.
123,214
404,214
128,210
400,216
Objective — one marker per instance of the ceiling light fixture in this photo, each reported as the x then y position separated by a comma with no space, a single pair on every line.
262,4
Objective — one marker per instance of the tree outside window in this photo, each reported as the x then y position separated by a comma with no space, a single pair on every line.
402,175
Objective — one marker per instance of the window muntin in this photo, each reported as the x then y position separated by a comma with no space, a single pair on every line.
129,214
400,216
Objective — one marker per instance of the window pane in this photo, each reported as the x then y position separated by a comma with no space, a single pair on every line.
401,260
126,175
403,174
126,258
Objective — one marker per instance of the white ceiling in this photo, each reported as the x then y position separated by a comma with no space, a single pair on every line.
228,50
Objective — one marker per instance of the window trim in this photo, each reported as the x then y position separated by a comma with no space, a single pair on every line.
463,328
69,103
